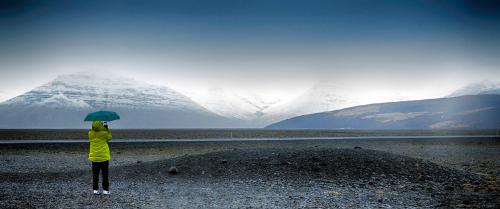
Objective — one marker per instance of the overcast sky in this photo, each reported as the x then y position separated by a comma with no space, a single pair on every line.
425,48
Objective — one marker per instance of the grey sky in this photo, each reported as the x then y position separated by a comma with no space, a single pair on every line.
423,48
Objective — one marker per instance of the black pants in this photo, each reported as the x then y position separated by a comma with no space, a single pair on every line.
96,168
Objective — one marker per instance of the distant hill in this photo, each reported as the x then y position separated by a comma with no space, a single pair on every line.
64,102
463,112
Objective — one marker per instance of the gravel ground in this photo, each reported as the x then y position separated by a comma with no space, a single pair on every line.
308,174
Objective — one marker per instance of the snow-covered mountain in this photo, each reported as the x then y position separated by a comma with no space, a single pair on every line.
325,96
63,103
259,112
233,104
85,90
483,87
321,97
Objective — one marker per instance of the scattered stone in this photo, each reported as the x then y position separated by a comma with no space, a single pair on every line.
342,182
286,163
442,205
173,170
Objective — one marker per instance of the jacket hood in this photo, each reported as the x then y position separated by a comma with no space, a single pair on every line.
97,126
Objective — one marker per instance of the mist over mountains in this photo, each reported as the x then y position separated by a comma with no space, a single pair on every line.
233,104
64,102
483,87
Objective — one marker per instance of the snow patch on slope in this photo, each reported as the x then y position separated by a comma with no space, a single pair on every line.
394,116
448,124
60,100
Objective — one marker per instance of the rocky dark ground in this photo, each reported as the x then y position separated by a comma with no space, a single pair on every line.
274,174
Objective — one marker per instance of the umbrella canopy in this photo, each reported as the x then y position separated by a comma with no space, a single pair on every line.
102,116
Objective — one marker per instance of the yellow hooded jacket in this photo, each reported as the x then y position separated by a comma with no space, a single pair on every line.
99,137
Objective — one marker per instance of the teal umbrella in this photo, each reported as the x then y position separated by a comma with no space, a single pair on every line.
102,116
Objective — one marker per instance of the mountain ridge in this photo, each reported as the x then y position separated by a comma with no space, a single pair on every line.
462,112
155,106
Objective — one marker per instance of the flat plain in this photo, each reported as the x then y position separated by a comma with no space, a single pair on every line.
444,172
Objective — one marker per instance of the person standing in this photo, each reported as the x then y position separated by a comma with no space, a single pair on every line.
99,155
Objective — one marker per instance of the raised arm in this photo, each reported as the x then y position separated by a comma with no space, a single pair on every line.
108,136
